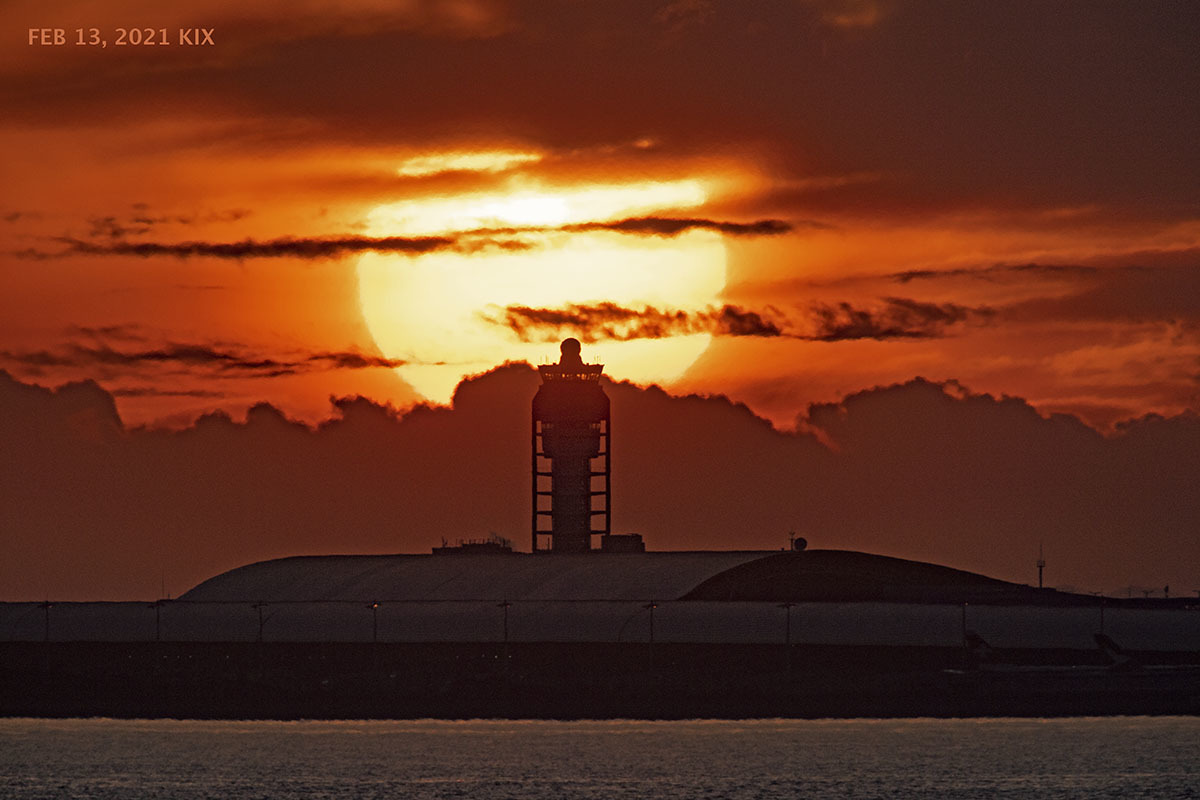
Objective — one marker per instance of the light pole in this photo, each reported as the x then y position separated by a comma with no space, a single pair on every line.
1100,596
46,606
157,606
374,606
260,607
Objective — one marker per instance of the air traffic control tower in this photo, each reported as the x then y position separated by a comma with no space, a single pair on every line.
572,442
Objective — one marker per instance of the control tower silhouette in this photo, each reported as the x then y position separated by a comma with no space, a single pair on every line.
571,454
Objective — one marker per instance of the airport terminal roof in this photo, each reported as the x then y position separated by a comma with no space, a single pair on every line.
756,576
512,576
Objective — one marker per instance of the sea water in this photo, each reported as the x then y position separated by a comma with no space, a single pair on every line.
1130,757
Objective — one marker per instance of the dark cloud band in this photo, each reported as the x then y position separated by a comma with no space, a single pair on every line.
312,248
996,272
895,318
336,246
609,321
672,226
224,361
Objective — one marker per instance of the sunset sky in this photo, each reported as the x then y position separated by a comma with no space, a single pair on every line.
785,204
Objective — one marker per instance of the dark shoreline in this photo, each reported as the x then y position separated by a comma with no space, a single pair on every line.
253,680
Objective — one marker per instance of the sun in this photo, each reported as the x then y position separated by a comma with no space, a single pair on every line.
437,311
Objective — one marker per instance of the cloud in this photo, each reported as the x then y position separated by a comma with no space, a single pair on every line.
309,248
1125,294
654,226
33,254
242,26
335,246
1167,289
222,360
153,391
932,471
142,222
679,16
996,271
108,227
852,13
668,226
1142,297
610,82
466,161
896,318
37,358
126,332
609,321
353,360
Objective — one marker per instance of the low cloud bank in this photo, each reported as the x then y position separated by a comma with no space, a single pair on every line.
93,510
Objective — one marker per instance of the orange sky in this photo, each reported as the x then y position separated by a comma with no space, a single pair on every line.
865,191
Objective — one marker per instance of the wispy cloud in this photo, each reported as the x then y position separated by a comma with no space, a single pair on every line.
125,332
897,318
679,16
657,226
470,241
609,321
995,272
672,226
852,13
152,391
226,361
308,248
894,318
142,221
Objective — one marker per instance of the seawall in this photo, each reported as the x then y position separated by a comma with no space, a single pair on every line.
578,680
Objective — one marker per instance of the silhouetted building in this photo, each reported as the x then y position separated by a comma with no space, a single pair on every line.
492,545
622,543
571,459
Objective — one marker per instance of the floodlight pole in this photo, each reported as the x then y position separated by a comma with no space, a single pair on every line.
260,607
157,606
374,606
46,606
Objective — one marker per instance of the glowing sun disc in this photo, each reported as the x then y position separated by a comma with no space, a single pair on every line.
437,311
